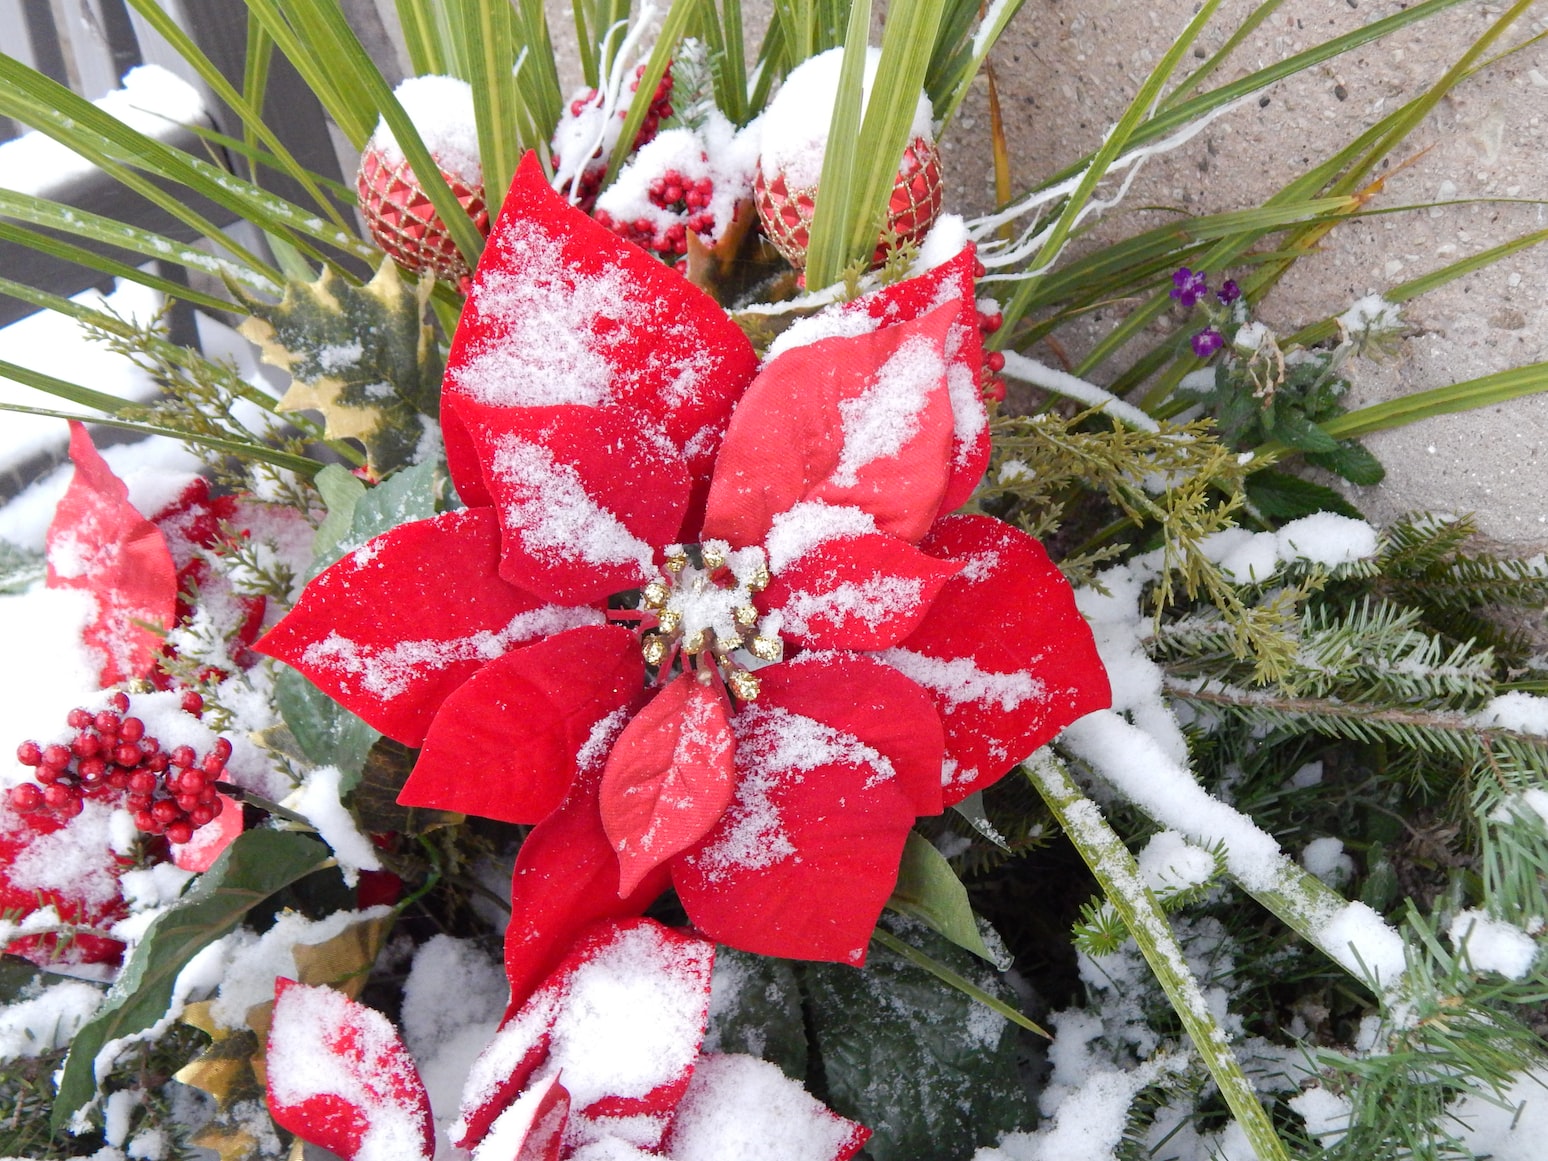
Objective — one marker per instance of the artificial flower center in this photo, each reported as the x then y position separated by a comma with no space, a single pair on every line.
700,610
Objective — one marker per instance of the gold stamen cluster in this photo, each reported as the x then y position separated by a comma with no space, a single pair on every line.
702,644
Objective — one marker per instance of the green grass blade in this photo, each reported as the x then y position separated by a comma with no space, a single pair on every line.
322,31
679,18
907,40
258,59
1238,37
97,228
232,447
427,52
80,256
956,980
538,80
827,249
486,30
251,115
954,86
324,73
59,389
731,77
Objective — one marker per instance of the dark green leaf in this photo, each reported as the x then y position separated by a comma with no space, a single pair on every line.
255,866
1280,496
375,802
929,1071
328,734
341,490
756,1008
929,890
1352,462
1294,430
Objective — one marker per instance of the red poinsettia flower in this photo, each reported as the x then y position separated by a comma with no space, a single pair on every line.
707,626
602,1061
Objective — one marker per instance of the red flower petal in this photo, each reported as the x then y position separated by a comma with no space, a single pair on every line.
834,761
100,544
736,1105
1003,651
566,874
864,592
393,628
339,1077
563,311
200,852
914,297
584,497
620,1018
505,744
531,1129
861,421
669,778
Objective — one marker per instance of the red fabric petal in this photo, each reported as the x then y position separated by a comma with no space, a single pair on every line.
669,778
505,744
563,311
532,1129
87,892
834,761
566,874
1003,651
393,628
100,544
367,1097
862,421
200,852
584,497
621,1016
863,592
952,280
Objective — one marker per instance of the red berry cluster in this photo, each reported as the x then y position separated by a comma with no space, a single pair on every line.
112,759
686,199
589,183
990,383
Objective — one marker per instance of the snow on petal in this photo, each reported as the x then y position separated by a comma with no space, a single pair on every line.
532,1128
340,1077
742,1107
803,527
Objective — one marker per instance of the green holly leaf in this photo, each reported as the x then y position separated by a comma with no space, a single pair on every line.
931,1072
363,356
929,890
255,866
755,1008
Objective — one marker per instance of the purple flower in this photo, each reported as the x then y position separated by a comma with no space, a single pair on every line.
1207,342
1229,292
1188,287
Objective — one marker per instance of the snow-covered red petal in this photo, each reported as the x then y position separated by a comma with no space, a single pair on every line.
566,874
1004,653
834,761
736,1105
669,778
394,627
507,743
340,1077
620,1018
583,495
563,311
200,852
532,1128
862,421
100,544
862,592
952,280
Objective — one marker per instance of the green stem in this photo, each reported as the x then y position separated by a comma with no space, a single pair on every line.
964,985
1118,874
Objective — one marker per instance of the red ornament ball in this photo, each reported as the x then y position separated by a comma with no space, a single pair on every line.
405,224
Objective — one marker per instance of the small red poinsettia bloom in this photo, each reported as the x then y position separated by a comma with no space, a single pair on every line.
707,625
604,1060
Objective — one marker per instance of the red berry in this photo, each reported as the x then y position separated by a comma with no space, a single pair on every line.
183,756
165,810
58,794
69,808
212,765
149,745
85,745
192,703
215,806
29,754
192,781
223,748
142,782
132,729
92,771
107,722
208,795
133,801
118,779
127,754
56,757
156,762
179,832
146,821
48,775
119,701
78,719
27,797
995,361
201,814
186,802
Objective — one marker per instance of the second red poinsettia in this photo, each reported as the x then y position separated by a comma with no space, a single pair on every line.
707,624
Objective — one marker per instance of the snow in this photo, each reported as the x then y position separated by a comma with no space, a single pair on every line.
1492,945
1169,864
1524,713
804,526
441,109
1365,945
1509,1126
880,421
740,1107
1325,858
152,101
33,1024
1326,538
1327,1114
320,802
960,680
1371,314
795,126
875,601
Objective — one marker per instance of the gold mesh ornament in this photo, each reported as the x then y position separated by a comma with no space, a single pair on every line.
404,222
917,195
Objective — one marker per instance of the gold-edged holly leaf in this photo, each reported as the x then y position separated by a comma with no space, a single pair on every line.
363,356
